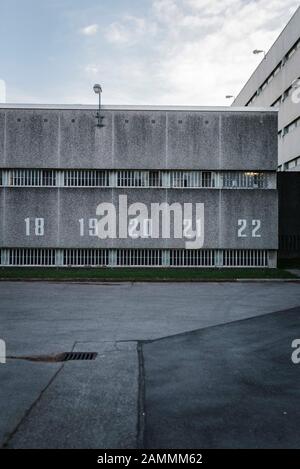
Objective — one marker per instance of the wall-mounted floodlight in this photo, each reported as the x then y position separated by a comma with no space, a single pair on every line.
230,96
259,51
98,90
295,83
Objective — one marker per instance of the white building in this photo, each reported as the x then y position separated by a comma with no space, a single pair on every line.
276,82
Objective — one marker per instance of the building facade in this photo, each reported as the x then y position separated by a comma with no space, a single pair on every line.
276,83
77,194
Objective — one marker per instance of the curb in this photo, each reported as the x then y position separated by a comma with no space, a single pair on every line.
131,281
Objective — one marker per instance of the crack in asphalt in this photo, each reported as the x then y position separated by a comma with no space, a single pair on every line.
28,411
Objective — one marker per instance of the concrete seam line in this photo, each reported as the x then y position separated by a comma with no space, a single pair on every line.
141,420
28,411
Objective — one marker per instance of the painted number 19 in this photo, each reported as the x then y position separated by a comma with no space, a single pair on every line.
92,226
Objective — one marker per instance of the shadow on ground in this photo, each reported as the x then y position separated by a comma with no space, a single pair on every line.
227,386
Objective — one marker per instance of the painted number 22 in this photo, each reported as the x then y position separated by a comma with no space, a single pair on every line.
243,232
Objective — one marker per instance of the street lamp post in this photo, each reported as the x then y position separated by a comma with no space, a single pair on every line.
259,51
98,90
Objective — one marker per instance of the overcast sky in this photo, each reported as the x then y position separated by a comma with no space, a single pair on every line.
190,52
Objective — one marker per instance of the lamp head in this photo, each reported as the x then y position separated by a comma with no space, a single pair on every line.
97,88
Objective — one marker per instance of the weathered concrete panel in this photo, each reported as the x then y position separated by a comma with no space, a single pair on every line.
81,204
140,140
147,197
32,138
82,143
210,199
259,209
24,203
193,140
249,141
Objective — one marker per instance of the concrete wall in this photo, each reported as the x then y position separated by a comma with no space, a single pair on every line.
150,138
154,139
62,209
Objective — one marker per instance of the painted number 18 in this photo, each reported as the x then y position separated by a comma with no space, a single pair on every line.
35,226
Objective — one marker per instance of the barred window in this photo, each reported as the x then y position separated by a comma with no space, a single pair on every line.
32,177
155,179
129,178
176,179
86,178
139,257
85,257
244,180
192,257
89,257
193,179
245,258
31,257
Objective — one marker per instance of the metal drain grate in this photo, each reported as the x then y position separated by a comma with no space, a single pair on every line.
79,356
60,357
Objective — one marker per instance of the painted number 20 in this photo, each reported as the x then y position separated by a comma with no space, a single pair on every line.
243,231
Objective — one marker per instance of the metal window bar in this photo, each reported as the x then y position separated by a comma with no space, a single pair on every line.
135,257
245,258
192,258
31,257
245,180
85,257
193,179
139,257
32,177
137,178
86,178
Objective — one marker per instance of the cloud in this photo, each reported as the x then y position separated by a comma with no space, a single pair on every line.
129,30
91,69
191,52
206,48
90,30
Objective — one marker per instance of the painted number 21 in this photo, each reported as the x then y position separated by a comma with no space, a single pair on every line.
243,232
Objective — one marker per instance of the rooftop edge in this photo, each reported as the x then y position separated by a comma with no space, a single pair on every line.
122,107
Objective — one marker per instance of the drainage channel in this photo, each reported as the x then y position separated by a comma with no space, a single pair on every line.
60,357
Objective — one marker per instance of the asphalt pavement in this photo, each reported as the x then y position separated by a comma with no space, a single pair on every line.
96,404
